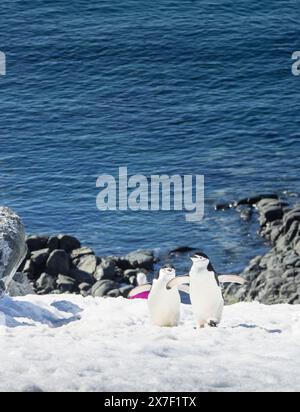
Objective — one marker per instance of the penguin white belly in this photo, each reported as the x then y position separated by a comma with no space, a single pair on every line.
164,305
206,298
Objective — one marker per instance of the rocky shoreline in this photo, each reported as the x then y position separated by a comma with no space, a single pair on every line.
60,264
275,276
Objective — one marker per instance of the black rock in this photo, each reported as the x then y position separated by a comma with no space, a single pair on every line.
181,249
81,277
53,243
36,242
58,263
223,206
255,199
68,243
273,213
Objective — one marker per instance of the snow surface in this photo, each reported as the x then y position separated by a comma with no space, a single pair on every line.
71,343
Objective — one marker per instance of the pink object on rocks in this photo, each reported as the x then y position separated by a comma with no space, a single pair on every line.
143,295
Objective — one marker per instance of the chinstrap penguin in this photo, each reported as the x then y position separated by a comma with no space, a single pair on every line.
205,291
163,303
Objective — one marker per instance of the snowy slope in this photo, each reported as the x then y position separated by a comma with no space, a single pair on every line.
72,343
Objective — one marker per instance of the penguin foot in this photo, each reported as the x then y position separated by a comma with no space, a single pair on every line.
212,324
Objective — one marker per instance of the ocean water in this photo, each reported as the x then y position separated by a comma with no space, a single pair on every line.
176,87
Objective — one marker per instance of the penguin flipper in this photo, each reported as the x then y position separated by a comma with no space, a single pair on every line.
184,288
140,289
179,280
232,279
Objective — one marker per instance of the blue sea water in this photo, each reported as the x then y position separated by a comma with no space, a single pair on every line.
168,86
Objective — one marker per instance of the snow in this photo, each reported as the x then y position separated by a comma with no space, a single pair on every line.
71,343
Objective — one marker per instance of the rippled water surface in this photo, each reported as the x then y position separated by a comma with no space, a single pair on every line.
188,87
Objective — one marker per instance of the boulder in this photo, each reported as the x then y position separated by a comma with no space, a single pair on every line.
36,242
102,287
65,284
114,293
58,262
124,290
53,243
39,258
84,287
141,259
106,270
86,263
291,217
68,243
13,247
81,276
20,285
45,283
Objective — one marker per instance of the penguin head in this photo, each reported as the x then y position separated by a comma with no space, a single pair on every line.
167,272
200,259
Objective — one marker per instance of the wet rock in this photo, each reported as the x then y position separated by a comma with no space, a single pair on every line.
181,249
223,206
255,199
245,212
58,262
